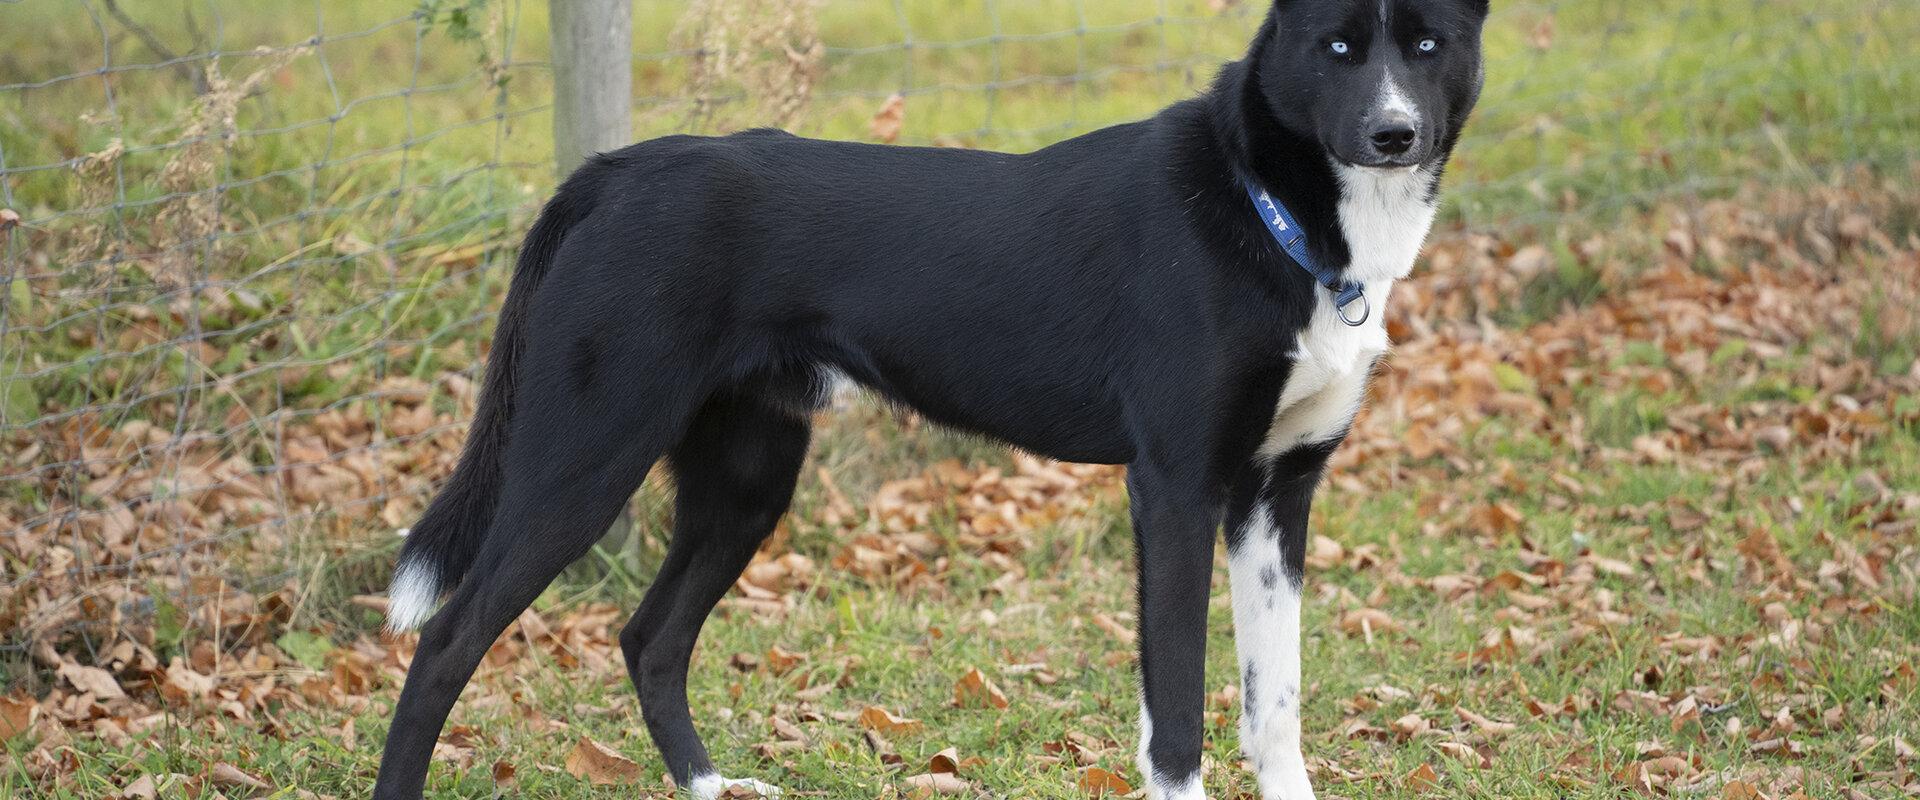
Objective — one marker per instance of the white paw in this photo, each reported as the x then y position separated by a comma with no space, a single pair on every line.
1286,780
1159,788
712,786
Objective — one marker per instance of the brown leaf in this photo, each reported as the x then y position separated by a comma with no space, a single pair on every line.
787,731
1366,622
16,716
892,116
1422,779
233,777
142,788
934,783
183,683
1464,754
503,773
974,689
879,720
92,679
1764,552
1410,726
1542,37
947,760
1112,626
599,765
1097,782
780,660
1486,726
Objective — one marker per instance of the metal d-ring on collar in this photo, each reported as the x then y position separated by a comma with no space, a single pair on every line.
1293,239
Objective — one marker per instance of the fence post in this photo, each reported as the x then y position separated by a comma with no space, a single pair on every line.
592,113
592,78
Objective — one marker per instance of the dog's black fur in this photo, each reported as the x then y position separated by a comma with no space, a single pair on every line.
1112,298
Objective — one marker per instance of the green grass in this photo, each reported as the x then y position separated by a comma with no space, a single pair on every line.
908,649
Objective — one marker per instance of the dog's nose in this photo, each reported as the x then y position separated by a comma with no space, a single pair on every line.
1394,135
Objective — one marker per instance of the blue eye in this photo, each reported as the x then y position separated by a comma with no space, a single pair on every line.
1340,47
1429,45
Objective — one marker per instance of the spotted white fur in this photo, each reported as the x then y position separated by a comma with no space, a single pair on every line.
413,595
1158,786
708,786
1266,631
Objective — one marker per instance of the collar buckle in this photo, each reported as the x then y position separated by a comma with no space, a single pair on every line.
1346,298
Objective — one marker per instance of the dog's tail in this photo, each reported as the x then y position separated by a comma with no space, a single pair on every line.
443,544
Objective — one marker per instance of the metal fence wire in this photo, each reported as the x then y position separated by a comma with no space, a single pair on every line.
250,249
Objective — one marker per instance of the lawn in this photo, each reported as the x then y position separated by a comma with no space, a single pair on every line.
1633,511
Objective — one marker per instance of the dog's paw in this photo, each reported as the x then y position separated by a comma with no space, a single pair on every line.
1286,781
712,786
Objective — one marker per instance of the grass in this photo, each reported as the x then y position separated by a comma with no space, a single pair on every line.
908,649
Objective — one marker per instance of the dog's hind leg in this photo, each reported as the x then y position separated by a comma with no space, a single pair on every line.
572,463
735,474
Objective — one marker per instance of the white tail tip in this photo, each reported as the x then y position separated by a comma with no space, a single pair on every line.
412,597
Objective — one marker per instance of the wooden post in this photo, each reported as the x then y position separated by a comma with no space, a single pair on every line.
592,78
593,113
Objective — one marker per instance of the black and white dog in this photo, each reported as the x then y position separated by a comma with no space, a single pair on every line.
1198,296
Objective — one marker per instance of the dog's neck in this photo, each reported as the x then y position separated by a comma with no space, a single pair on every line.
1341,208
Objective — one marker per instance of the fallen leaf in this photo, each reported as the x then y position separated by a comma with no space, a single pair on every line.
947,760
1464,754
974,689
16,716
1484,725
600,765
1542,38
879,720
233,777
142,788
1366,622
780,660
1112,626
1097,782
934,783
92,679
1422,779
886,124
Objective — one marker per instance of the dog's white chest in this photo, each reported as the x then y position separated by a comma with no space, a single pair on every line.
1385,217
1327,379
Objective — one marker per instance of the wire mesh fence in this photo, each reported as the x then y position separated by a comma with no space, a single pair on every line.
250,250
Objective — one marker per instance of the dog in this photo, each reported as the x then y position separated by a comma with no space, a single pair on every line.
1198,296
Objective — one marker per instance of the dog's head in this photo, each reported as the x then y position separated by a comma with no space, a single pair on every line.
1378,83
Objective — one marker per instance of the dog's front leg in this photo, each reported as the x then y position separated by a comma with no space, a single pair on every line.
1266,551
1173,530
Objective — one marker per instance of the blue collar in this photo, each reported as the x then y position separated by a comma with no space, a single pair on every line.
1293,239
